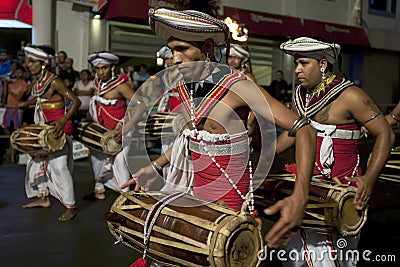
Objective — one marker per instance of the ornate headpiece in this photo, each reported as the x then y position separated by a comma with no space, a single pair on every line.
308,47
239,51
37,54
103,57
187,25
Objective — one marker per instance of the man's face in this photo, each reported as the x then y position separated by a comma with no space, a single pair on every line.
60,57
307,71
3,56
34,66
68,63
234,61
103,71
169,60
18,73
187,52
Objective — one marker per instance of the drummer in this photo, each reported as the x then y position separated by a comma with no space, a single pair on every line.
192,36
50,173
107,107
336,108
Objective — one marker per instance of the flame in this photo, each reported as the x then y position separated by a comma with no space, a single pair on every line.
239,33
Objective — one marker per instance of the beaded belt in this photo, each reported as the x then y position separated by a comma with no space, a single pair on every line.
342,134
220,150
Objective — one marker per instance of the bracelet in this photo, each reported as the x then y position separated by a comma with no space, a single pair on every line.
156,167
394,117
297,124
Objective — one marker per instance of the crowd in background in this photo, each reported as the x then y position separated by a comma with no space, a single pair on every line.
16,84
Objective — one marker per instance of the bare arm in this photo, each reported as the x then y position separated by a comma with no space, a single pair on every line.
58,86
291,208
366,112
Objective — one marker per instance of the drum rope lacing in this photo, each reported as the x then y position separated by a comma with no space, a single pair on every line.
250,204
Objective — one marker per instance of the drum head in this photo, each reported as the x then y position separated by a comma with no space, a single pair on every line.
54,144
350,220
110,146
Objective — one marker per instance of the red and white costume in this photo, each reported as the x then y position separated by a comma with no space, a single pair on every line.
110,171
337,156
191,165
53,170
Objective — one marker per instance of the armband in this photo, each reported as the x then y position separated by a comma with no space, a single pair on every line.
373,117
300,122
395,116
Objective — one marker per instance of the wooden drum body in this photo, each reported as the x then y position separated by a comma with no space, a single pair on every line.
98,137
163,124
330,208
36,139
187,232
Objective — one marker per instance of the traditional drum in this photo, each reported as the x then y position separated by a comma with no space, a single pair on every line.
391,170
36,139
98,137
330,207
187,231
162,124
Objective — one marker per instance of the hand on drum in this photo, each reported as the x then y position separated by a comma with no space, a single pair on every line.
142,179
291,216
364,190
58,127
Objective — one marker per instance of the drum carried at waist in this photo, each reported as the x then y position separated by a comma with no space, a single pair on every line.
330,207
37,139
98,137
162,124
187,231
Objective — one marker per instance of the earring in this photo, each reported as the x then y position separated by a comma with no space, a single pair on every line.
207,58
112,73
43,70
323,76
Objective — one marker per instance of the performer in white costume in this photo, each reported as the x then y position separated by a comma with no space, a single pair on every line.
108,107
50,173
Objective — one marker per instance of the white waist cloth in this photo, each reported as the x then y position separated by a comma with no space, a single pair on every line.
327,132
180,175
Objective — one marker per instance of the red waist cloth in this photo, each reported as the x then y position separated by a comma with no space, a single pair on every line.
53,114
109,115
175,103
211,185
345,156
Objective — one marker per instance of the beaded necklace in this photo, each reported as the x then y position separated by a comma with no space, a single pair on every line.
193,118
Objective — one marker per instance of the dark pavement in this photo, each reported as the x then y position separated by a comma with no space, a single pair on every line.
34,237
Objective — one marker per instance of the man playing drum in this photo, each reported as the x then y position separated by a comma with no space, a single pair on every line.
336,108
108,107
50,173
192,36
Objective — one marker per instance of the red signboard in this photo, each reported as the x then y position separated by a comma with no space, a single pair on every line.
336,33
126,10
16,9
266,24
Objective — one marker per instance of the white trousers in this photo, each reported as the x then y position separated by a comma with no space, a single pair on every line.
309,248
110,171
52,171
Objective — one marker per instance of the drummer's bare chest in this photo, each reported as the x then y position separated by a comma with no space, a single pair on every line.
225,117
333,113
